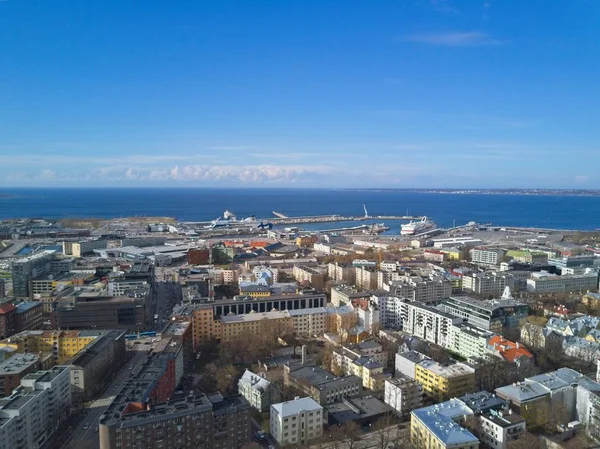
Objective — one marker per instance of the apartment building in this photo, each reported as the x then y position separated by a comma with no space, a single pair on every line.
489,283
425,322
487,256
7,320
95,364
343,295
27,268
31,415
341,273
305,274
207,421
258,391
442,382
234,327
406,363
321,385
436,427
28,316
346,354
365,278
297,421
440,425
403,395
493,315
13,369
89,308
78,249
545,283
421,289
468,341
120,287
309,322
63,345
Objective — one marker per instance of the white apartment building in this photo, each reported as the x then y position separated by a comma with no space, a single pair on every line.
488,283
297,421
324,248
388,266
403,395
345,355
487,256
497,428
309,322
385,277
229,276
344,273
468,340
34,411
368,318
414,318
257,390
365,278
121,287
423,289
543,282
406,363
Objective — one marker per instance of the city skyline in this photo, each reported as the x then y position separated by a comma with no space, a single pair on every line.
422,94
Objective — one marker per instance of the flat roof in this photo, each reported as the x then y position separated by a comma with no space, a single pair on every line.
17,364
447,371
352,409
256,316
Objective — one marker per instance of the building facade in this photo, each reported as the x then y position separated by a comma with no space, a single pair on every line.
297,421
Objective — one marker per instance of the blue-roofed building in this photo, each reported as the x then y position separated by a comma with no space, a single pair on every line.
437,426
28,316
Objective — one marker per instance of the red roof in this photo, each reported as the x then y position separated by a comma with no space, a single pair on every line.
509,350
6,308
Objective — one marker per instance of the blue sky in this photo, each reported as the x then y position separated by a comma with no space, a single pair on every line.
423,93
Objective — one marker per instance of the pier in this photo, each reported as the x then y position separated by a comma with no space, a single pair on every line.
284,220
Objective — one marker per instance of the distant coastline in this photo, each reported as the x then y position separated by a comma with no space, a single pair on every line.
533,192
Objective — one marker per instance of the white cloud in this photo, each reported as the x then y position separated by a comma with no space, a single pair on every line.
581,178
454,39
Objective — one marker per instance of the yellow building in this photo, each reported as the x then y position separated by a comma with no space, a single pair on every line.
453,253
442,382
255,291
371,373
436,427
275,324
340,318
591,300
63,345
204,326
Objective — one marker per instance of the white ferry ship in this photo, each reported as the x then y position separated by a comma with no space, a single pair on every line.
417,227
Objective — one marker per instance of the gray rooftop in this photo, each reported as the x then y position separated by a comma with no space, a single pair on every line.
296,406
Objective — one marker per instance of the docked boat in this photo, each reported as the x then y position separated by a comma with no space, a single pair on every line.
417,227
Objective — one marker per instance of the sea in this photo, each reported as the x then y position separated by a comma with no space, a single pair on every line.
204,204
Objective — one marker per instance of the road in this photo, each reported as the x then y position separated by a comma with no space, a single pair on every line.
88,438
164,296
372,440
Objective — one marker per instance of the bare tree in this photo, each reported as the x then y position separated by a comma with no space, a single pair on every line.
350,435
384,430
525,441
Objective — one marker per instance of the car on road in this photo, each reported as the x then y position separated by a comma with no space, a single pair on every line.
86,426
130,367
96,429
